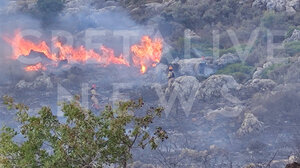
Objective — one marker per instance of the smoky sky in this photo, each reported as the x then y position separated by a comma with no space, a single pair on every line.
75,21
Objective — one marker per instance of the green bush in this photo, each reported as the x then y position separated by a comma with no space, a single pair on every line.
239,71
292,48
267,71
233,49
82,138
291,30
273,19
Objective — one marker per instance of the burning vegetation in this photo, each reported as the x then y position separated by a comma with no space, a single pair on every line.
144,55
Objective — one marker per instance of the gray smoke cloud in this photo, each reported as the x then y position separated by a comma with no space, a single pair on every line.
77,21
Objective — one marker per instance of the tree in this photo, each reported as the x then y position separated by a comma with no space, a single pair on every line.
83,139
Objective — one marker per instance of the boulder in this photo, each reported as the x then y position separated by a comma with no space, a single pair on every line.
226,111
293,165
42,81
14,6
252,165
250,125
217,86
193,67
260,85
293,73
227,59
294,37
154,8
184,86
290,6
257,73
256,86
259,70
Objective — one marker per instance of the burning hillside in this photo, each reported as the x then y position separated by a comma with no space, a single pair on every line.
144,55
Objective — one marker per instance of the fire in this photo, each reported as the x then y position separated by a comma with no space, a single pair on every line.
23,47
143,69
36,67
83,55
145,55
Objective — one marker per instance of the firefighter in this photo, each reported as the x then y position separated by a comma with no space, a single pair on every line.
94,98
171,76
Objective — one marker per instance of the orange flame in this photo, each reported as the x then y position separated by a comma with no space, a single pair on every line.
145,55
36,67
83,55
23,47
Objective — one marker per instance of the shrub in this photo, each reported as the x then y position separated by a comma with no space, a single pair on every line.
292,48
233,49
81,139
273,19
267,71
239,71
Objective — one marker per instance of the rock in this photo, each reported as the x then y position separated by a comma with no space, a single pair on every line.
294,37
250,125
260,85
267,64
225,112
293,165
227,59
73,6
23,84
14,6
217,86
42,81
292,159
193,67
252,165
184,86
257,73
111,3
256,86
191,34
139,164
259,70
293,73
290,6
154,8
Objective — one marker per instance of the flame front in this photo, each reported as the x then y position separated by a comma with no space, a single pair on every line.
36,67
145,55
82,55
23,47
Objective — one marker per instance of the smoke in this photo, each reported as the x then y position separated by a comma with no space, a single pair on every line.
11,20
78,24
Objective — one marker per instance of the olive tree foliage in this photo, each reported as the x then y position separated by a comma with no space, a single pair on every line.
83,139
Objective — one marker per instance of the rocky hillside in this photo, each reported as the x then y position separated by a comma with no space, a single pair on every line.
245,106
